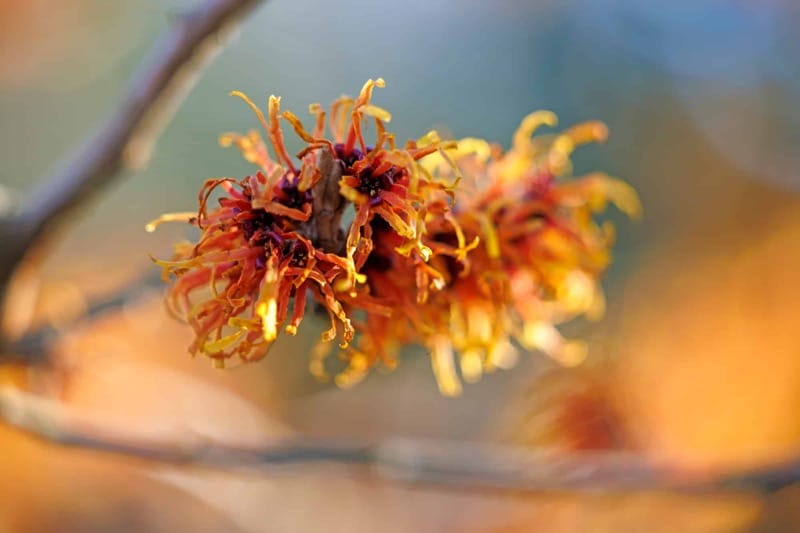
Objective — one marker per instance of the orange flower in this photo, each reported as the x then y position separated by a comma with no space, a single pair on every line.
254,259
457,246
517,253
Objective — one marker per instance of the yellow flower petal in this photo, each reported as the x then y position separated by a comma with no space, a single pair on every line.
442,360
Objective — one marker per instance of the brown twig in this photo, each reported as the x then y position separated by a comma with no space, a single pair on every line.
126,141
448,464
440,463
34,346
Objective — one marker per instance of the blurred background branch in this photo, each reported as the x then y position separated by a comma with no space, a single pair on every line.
125,142
460,465
34,345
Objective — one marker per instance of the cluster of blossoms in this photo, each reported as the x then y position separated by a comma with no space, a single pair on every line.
458,246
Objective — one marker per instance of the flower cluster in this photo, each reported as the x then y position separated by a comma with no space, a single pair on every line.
457,246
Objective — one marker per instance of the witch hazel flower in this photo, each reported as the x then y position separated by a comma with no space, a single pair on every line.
465,249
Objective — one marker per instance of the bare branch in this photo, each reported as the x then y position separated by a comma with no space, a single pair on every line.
34,346
126,141
455,465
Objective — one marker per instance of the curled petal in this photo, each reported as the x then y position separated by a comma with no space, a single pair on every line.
530,124
443,362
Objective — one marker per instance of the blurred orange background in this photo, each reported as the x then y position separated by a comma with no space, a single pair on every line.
697,361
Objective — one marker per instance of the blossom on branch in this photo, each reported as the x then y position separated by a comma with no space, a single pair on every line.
458,246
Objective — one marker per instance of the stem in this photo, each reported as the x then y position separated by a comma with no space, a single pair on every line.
437,463
125,142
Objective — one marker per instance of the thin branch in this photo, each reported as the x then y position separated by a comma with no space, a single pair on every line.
35,345
126,141
469,466
455,465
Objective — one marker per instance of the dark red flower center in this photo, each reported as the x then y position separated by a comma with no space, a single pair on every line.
255,224
297,251
371,184
290,196
348,158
